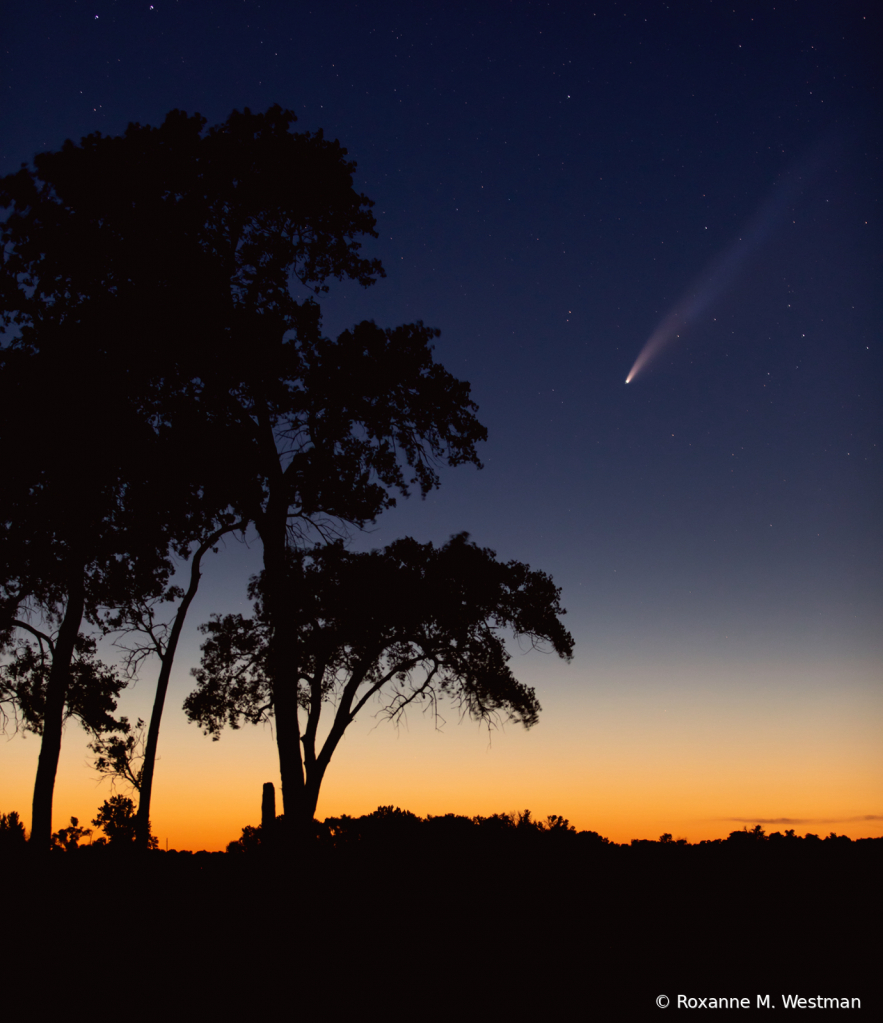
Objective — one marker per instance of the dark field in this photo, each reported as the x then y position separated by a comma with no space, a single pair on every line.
415,931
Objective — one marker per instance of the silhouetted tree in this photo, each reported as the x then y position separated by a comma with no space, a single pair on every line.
525,824
592,839
186,243
375,400
250,841
132,268
82,562
558,825
68,839
78,527
92,693
116,756
409,624
747,839
12,833
497,823
116,818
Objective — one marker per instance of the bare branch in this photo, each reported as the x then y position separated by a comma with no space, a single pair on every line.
397,669
400,701
118,758
41,636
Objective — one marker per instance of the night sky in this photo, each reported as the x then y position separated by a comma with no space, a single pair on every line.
551,181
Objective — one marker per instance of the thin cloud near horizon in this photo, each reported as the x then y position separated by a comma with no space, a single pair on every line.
805,820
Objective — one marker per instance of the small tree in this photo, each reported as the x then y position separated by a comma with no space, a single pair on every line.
68,839
12,833
250,841
558,824
116,817
409,624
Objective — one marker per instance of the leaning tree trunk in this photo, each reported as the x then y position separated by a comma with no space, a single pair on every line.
53,718
142,821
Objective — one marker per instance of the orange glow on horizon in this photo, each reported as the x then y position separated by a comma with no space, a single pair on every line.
696,751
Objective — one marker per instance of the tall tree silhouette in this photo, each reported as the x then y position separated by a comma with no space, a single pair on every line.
95,497
71,538
408,624
166,260
139,616
369,402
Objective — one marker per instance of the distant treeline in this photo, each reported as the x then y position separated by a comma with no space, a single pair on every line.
391,827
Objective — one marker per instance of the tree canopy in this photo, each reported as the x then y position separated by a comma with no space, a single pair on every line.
92,693
165,281
409,624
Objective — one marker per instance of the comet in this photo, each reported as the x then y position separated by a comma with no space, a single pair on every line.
720,274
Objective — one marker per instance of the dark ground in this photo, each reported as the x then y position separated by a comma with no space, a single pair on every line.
438,935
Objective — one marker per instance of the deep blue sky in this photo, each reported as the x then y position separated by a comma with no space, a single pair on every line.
550,179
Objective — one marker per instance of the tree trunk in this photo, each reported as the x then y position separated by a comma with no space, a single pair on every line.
291,769
281,662
142,822
53,719
311,792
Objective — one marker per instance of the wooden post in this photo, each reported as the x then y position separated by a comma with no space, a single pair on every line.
268,815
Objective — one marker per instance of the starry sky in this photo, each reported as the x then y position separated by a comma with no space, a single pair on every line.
557,184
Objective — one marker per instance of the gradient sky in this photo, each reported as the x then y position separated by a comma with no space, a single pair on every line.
551,181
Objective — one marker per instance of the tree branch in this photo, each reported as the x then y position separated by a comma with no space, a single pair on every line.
35,632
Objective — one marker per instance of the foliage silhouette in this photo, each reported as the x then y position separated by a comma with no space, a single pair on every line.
68,839
408,624
92,693
13,837
744,837
186,243
370,402
558,825
249,841
83,507
217,226
305,428
117,819
120,756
